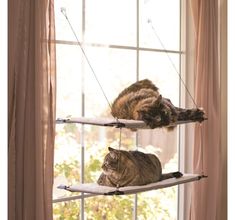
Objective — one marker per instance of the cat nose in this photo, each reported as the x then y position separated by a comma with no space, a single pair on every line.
158,118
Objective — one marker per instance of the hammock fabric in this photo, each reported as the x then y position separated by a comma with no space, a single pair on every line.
94,188
120,123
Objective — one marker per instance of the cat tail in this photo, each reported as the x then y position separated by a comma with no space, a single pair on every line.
195,114
171,175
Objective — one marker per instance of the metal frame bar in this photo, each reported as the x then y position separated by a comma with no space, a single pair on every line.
70,198
181,133
82,196
135,208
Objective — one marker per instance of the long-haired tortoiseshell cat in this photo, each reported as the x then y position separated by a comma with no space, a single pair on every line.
142,101
131,168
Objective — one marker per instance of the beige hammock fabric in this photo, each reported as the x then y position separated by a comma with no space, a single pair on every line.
111,122
94,188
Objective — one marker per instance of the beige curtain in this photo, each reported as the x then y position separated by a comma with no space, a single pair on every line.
206,200
31,109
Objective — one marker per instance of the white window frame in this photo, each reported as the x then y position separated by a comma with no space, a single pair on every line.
186,135
186,131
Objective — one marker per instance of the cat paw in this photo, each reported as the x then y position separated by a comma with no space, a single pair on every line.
177,174
149,120
199,115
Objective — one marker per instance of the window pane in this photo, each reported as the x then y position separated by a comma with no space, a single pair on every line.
66,210
68,80
115,69
67,162
165,18
158,204
74,13
158,68
109,207
111,22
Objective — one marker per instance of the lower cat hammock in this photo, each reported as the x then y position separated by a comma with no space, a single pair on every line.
94,188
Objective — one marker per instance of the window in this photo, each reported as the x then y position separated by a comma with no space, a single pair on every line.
122,47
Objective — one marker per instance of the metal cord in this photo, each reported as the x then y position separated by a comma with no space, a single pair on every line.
171,61
63,11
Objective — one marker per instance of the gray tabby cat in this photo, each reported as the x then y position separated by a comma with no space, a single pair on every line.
142,101
131,168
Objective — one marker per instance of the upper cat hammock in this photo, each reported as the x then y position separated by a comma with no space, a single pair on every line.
97,189
120,123
141,106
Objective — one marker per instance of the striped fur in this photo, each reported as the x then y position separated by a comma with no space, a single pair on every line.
130,168
142,101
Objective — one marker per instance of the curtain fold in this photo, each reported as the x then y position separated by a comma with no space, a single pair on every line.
31,108
207,145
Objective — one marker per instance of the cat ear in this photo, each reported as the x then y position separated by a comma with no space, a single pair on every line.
111,149
112,153
159,100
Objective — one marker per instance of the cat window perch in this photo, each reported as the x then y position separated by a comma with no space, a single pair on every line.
96,189
111,122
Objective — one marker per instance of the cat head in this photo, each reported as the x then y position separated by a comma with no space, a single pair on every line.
151,111
110,163
116,161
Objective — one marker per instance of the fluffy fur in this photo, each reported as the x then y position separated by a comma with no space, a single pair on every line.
131,168
142,101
